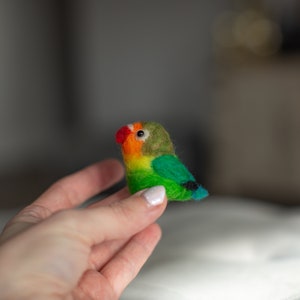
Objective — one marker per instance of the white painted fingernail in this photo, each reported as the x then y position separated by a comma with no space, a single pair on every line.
155,195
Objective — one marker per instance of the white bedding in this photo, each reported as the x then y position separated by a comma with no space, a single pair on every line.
223,248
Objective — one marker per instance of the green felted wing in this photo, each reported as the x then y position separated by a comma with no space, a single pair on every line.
142,179
170,167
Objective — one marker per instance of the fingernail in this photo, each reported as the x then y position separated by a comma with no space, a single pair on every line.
155,195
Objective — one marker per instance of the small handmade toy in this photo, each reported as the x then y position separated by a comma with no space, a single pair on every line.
150,160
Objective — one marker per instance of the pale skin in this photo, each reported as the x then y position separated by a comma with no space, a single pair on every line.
53,250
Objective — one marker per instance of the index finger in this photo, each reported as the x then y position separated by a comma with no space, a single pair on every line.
68,192
76,188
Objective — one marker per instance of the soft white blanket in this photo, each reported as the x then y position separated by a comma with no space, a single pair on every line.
223,249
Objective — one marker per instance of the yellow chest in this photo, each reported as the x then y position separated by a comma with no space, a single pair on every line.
140,162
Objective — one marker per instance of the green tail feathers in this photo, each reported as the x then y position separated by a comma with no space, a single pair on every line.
200,193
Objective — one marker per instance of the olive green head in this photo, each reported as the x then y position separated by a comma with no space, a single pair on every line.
158,141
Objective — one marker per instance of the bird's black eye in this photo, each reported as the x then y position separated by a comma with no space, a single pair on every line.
140,133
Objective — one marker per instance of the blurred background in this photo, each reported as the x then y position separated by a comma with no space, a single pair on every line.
222,76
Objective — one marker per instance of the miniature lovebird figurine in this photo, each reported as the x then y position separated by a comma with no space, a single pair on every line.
150,160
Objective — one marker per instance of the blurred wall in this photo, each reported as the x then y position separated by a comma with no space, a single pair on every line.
256,103
222,76
30,81
149,60
73,72
99,65
143,59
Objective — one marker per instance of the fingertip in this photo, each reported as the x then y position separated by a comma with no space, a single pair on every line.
149,236
109,172
155,231
115,165
114,161
154,196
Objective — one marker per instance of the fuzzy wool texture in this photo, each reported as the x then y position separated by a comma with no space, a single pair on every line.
150,160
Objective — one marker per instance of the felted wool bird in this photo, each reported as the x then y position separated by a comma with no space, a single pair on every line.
150,160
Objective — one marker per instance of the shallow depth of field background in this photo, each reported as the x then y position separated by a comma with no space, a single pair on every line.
222,76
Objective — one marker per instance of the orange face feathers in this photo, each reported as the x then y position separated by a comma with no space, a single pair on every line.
131,139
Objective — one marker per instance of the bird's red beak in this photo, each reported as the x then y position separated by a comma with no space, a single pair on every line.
122,134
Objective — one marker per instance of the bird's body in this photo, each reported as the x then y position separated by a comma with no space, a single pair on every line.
150,160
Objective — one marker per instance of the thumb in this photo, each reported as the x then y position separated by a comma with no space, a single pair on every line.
119,220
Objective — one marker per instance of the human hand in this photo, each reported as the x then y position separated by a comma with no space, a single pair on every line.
53,250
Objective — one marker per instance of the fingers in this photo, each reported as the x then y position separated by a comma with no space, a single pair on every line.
122,268
119,220
103,252
126,264
74,189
